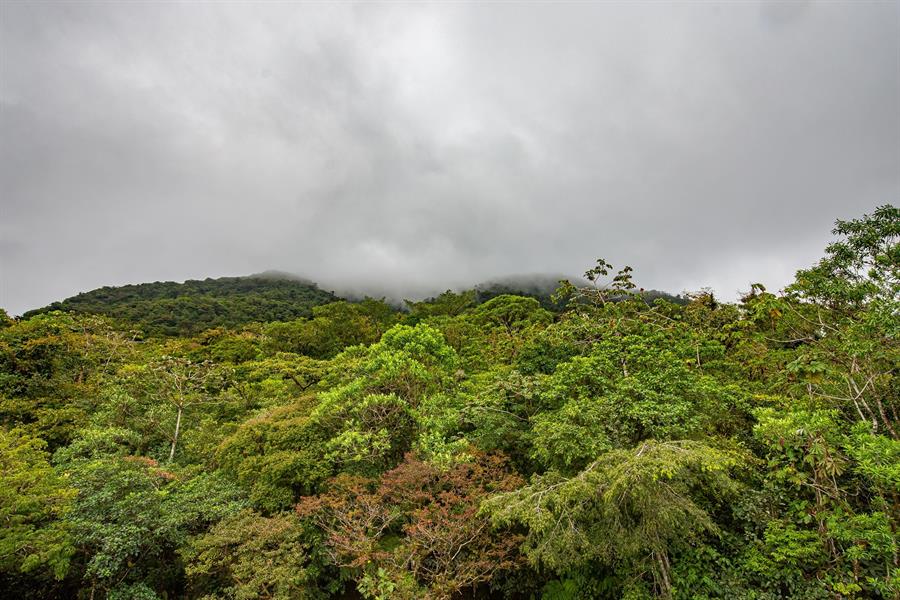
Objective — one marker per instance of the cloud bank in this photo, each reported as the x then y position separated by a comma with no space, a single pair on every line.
415,147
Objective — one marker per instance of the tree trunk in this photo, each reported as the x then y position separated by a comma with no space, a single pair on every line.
665,585
177,431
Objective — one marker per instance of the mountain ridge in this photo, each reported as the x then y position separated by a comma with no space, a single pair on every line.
191,306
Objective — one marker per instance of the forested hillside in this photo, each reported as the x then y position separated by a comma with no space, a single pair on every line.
187,308
309,448
543,288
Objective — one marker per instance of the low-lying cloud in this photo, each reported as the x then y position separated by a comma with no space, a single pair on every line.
416,147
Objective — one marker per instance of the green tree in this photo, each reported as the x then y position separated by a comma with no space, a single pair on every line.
34,501
247,556
628,510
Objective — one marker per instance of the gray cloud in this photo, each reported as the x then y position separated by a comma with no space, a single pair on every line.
415,147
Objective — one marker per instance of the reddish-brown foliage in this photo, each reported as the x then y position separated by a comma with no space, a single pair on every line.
421,521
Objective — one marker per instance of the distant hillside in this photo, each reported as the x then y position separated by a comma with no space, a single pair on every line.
169,308
538,286
541,287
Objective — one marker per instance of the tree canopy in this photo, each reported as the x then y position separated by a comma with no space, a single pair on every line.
255,438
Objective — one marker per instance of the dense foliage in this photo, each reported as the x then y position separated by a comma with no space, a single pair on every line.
600,445
188,308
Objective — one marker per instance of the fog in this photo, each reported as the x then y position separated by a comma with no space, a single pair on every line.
407,148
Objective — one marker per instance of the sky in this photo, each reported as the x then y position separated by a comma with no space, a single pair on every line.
405,148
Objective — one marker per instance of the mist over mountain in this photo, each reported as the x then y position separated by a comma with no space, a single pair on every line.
527,284
194,305
272,295
404,148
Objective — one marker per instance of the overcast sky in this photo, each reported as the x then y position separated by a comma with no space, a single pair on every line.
422,146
